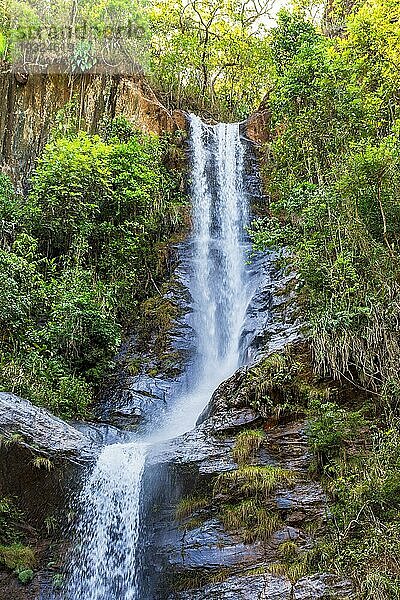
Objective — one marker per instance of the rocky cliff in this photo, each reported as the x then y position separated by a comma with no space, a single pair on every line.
31,106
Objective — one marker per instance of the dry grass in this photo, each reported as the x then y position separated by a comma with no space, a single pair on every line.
251,520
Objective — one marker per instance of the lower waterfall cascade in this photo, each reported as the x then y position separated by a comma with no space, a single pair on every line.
106,562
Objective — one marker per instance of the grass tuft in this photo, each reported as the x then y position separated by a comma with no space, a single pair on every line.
247,444
252,481
189,505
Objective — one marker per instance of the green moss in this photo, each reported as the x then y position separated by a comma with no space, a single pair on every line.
193,523
42,462
153,352
134,366
245,494
17,556
58,581
295,563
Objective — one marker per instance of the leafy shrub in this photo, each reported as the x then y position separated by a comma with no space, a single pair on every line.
25,576
283,384
330,428
77,258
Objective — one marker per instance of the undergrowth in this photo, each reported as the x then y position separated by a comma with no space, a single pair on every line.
283,384
15,554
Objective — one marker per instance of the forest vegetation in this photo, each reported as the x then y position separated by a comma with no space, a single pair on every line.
85,246
78,255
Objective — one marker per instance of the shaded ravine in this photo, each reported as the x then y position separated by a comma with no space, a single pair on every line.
106,562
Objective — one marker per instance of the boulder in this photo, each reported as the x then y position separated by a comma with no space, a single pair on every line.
36,429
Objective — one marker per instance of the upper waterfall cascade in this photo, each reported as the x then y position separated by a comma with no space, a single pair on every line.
105,563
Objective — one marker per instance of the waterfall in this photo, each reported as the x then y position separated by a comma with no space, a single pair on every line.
219,217
108,532
105,563
218,284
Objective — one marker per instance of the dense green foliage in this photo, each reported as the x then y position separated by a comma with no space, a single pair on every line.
331,172
77,256
333,185
207,56
80,253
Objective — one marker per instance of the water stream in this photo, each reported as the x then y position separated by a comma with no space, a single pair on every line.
105,564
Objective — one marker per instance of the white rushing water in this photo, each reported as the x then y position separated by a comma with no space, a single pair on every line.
108,531
105,564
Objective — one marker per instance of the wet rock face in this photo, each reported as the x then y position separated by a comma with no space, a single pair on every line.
270,323
37,428
135,400
269,587
138,400
209,546
256,587
39,457
199,547
322,586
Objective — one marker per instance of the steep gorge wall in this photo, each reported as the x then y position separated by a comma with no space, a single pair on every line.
29,107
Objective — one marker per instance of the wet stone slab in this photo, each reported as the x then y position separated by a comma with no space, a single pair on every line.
255,587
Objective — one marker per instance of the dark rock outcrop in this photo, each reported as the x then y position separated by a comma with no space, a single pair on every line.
195,459
39,456
253,587
36,429
194,552
138,400
270,587
199,546
322,586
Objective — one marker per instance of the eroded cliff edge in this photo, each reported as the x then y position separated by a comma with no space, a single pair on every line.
31,106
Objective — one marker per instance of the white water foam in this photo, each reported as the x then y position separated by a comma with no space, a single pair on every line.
105,564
